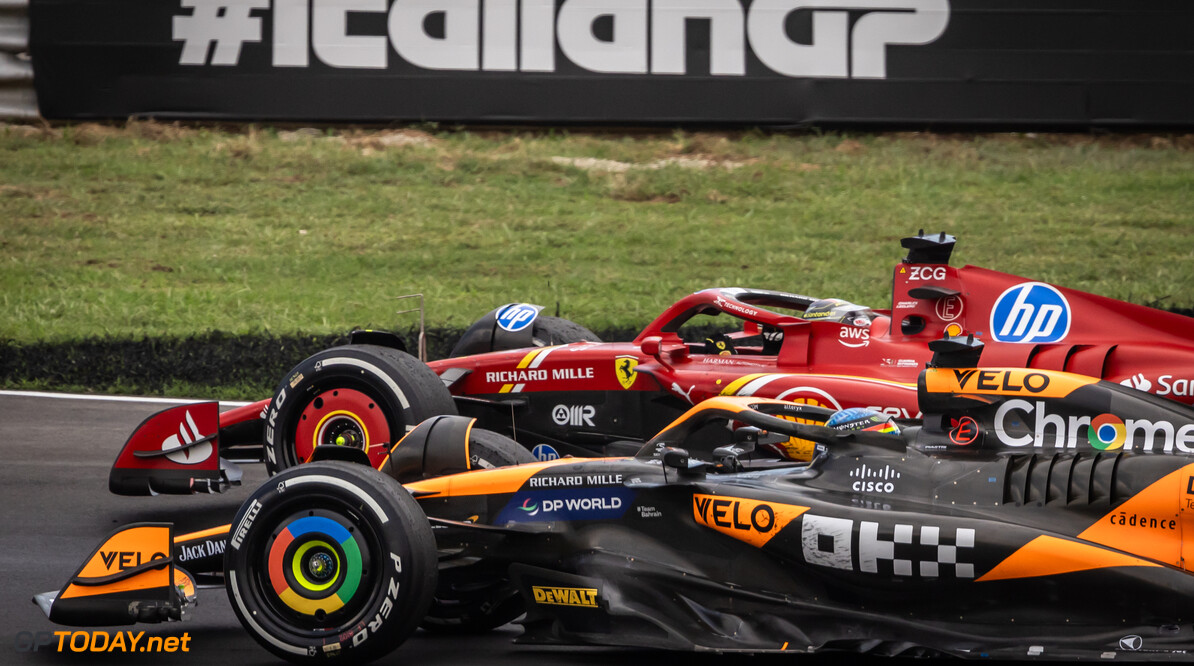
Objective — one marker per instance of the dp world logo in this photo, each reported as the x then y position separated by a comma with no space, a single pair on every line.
1032,312
517,317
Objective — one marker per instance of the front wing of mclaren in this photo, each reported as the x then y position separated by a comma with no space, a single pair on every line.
872,546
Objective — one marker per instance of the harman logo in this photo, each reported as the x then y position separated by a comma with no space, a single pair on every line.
517,317
1033,312
585,597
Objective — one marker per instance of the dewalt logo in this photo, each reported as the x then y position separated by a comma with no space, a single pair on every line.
585,597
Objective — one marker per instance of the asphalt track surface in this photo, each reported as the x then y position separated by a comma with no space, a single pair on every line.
54,459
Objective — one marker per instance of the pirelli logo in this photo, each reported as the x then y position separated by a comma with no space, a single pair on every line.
585,597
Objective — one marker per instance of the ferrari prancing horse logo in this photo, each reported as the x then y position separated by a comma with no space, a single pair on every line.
624,368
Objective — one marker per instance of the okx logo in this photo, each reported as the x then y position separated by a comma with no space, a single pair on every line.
1032,312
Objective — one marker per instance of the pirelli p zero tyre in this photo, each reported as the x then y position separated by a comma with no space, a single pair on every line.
363,396
555,331
479,597
488,449
486,335
330,561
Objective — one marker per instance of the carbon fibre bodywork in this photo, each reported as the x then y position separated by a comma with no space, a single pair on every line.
869,547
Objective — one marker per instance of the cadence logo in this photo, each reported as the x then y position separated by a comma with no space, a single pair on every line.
1033,312
840,38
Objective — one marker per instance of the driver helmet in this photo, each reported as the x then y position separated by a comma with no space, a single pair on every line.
843,312
860,418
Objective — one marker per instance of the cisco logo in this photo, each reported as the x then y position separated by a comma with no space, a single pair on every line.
1032,312
517,317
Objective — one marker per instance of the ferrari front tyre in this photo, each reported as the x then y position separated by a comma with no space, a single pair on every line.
363,396
330,561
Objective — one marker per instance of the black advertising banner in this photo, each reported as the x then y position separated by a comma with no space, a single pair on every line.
985,63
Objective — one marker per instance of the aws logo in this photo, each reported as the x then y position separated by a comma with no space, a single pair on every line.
752,521
854,337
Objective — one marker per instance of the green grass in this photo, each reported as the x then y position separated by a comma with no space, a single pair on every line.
151,229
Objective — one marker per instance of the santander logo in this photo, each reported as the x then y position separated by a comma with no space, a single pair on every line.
188,432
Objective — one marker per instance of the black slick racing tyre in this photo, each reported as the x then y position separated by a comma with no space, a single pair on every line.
485,335
364,396
330,561
549,331
488,449
476,598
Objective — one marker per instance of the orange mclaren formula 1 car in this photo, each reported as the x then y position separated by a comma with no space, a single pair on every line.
951,536
544,382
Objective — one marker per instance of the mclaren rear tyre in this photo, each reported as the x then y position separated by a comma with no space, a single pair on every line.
330,561
488,449
477,598
362,396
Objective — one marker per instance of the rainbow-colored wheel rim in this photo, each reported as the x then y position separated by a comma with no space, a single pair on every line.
315,566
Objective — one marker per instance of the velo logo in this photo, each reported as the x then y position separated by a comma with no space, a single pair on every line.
517,317
1032,312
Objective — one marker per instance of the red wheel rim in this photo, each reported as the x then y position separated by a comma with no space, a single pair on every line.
342,417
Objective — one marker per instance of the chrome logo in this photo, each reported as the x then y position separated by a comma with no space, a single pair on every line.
315,565
1107,432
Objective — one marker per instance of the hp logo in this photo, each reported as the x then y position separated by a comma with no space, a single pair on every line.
1032,312
517,317
545,452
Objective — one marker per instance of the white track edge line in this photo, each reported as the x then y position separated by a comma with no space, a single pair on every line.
118,398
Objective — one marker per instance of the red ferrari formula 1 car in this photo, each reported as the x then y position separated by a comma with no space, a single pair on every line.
548,384
1003,539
